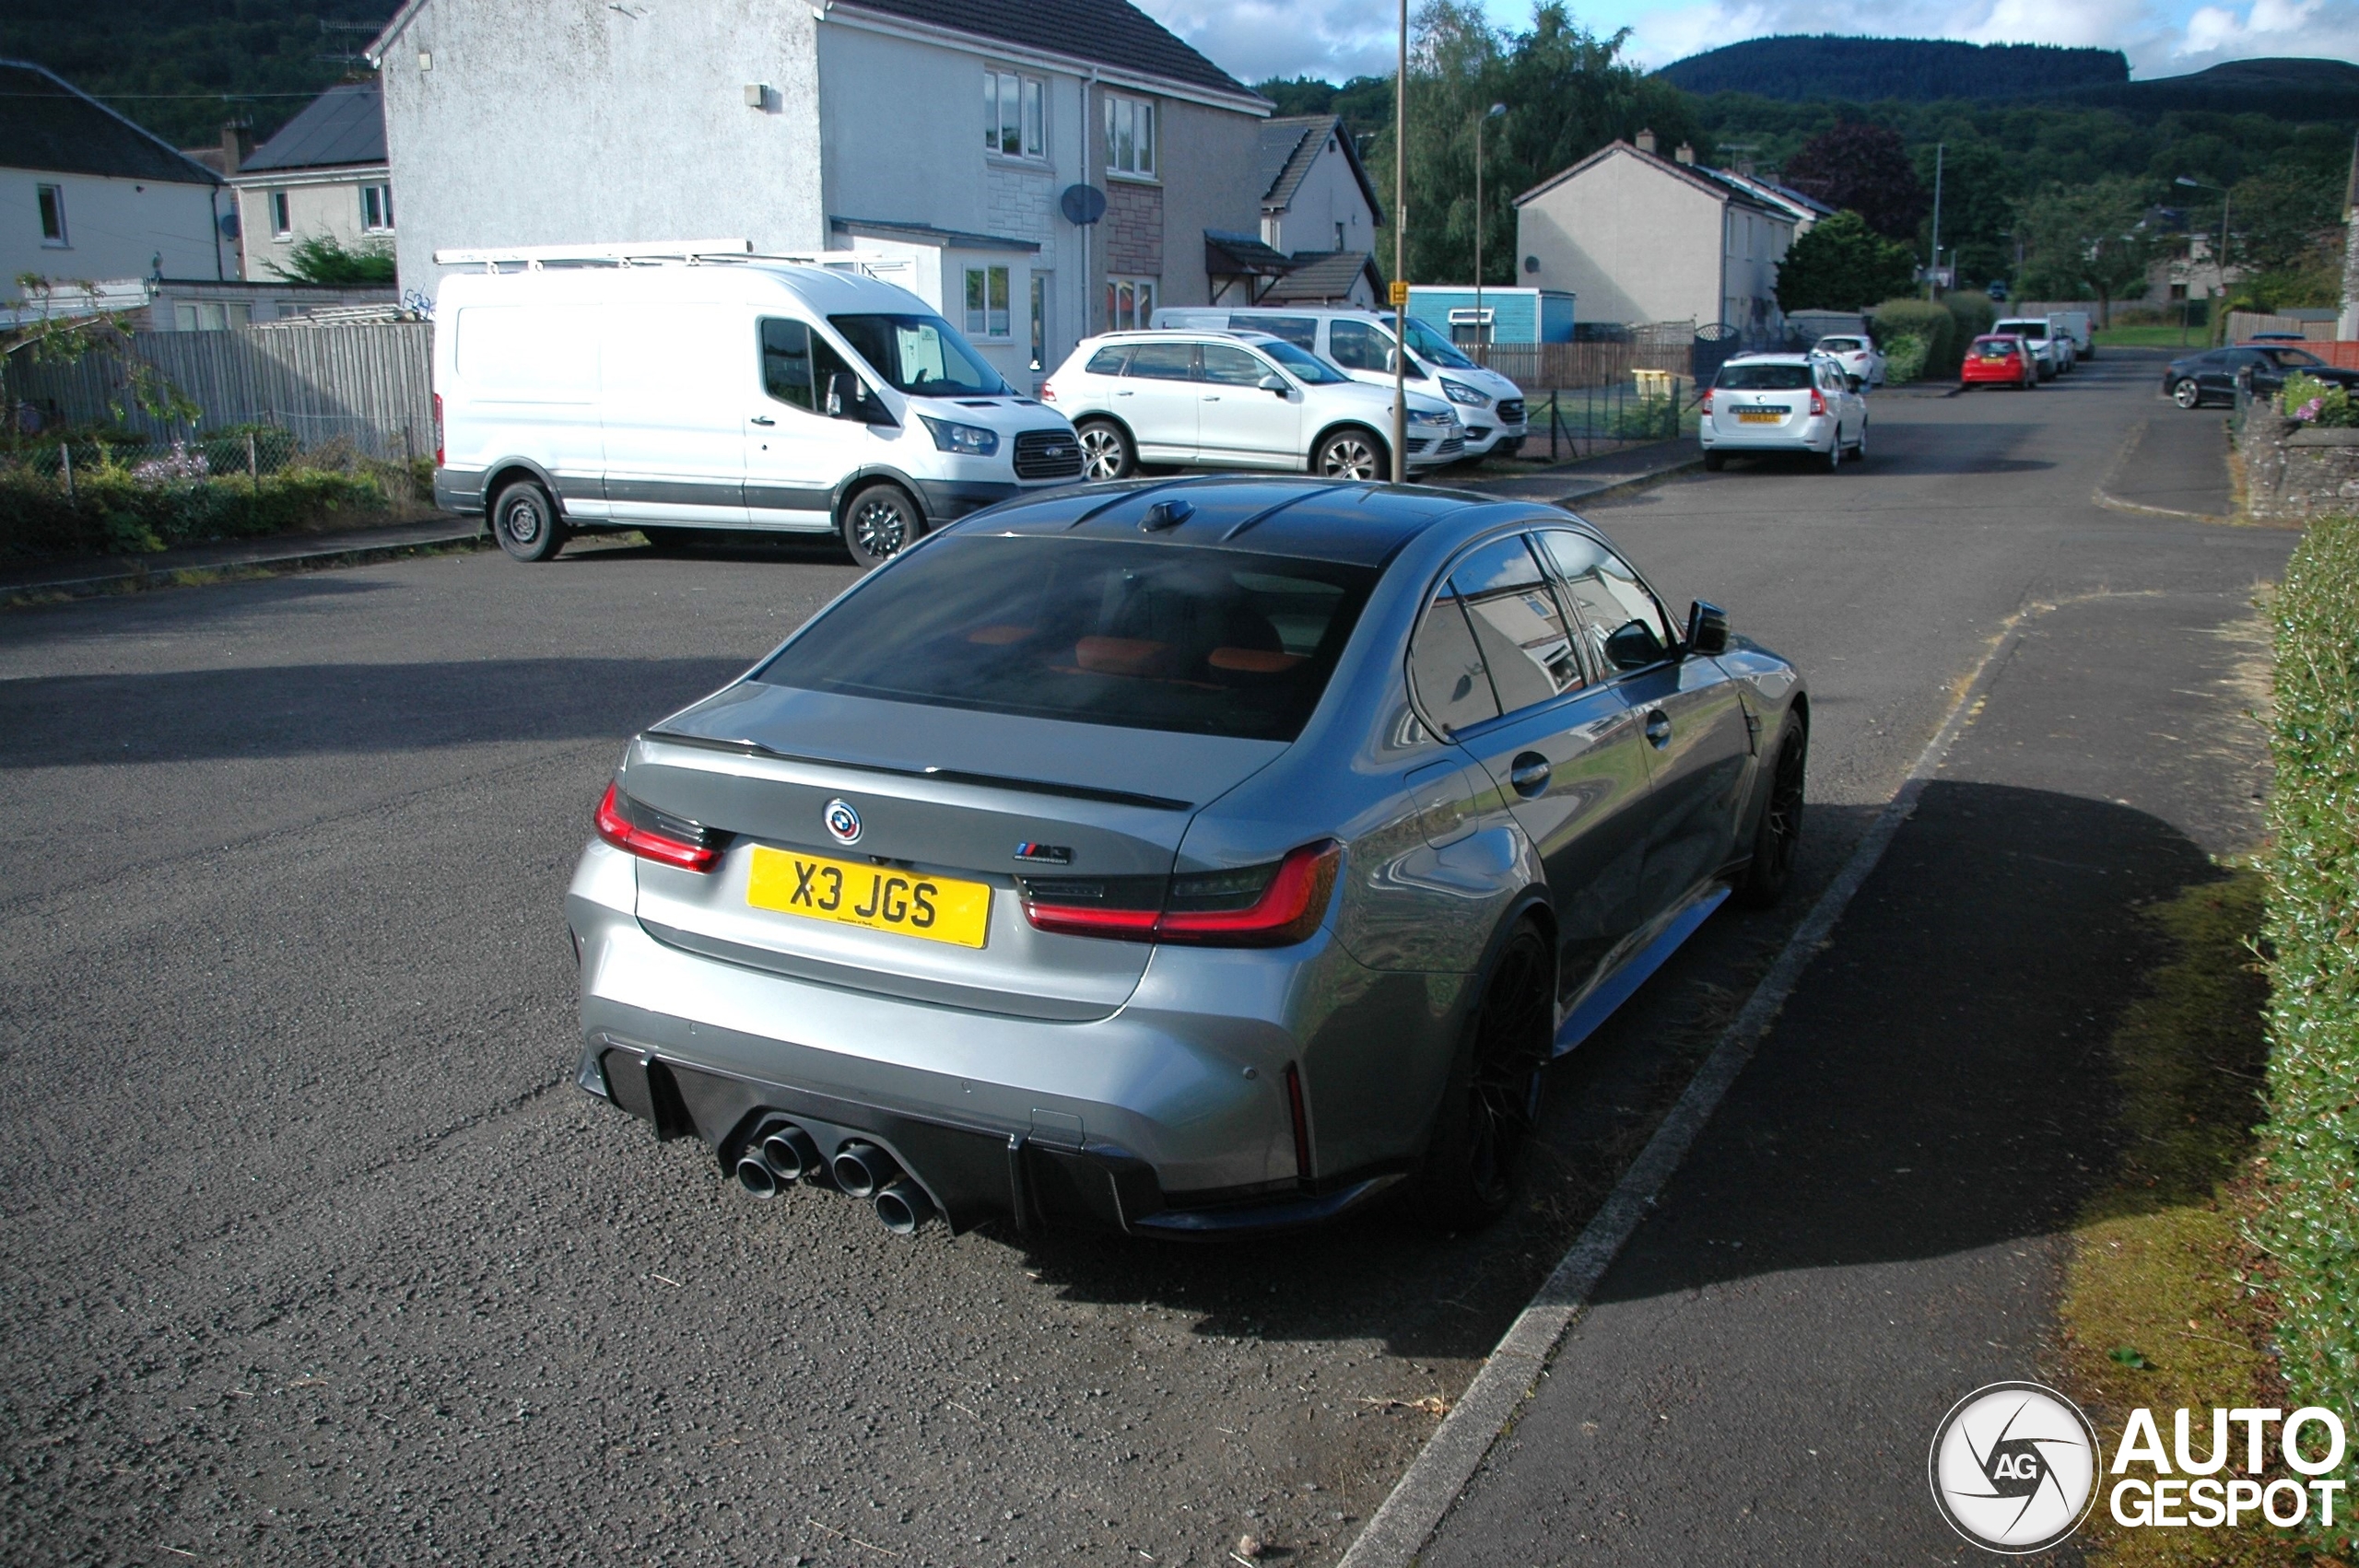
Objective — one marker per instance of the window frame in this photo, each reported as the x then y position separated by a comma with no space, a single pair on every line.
48,203
1146,166
1031,123
1600,674
998,274
1138,319
281,209
377,195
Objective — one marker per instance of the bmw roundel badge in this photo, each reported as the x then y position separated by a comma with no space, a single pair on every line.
843,823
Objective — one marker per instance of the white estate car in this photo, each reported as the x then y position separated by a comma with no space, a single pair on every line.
1783,403
1235,400
1858,355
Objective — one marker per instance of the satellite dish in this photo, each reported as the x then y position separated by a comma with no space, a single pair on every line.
1084,204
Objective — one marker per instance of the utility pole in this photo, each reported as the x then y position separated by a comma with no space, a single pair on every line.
1934,274
1400,258
1482,338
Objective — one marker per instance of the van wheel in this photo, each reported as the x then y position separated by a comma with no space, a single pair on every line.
1351,454
879,524
1492,1101
1105,451
524,520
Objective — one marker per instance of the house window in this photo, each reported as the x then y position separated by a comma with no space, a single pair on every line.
1130,303
1012,119
282,221
987,314
53,214
1130,136
1040,320
377,208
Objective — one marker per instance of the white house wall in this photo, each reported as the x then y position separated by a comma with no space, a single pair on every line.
114,228
1330,195
558,121
1632,242
316,208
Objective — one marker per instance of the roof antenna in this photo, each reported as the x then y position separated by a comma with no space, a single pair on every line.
1166,514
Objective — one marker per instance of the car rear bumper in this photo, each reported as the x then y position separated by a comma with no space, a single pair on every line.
1170,1117
1809,434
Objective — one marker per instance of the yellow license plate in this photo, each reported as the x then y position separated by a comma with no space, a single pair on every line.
881,899
1758,417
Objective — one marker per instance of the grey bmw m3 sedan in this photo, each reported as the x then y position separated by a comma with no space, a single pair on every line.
1183,858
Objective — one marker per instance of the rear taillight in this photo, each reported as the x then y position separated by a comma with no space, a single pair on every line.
1048,392
638,828
1707,402
438,430
1272,905
1817,402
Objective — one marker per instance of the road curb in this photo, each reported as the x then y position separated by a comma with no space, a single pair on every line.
2103,495
1423,1496
139,580
1634,482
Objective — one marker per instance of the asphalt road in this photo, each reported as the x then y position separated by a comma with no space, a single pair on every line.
312,1252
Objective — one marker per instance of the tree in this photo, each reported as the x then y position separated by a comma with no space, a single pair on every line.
2087,242
60,322
1842,265
1866,170
1978,210
322,259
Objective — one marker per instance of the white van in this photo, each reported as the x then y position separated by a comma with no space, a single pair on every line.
575,392
1359,343
2049,339
2076,325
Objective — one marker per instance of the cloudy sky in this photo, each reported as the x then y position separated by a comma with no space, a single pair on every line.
1336,39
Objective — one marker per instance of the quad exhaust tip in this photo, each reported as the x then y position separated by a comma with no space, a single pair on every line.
789,1152
862,1169
755,1177
902,1206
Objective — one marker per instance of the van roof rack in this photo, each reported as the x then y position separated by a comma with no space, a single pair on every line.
617,255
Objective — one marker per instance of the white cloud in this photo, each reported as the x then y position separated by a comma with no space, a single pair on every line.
2328,28
1255,40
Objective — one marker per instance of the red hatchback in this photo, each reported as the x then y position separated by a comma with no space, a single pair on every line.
1999,359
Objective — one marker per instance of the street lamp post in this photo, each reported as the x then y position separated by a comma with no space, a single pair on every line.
1481,339
1400,258
2220,262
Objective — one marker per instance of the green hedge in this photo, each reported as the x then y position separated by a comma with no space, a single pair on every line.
112,513
1926,320
1972,313
2310,1220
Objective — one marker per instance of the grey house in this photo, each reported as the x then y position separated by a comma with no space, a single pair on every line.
947,136
323,176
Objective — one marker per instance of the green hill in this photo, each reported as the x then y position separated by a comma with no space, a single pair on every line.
1867,70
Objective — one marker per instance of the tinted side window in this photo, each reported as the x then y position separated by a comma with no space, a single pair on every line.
1300,330
786,362
1355,346
1232,366
1164,362
1446,670
1625,628
1517,625
1109,361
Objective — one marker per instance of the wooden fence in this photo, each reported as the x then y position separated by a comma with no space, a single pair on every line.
1545,366
372,385
2244,324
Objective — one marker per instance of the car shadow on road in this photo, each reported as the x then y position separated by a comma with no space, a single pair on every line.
1941,1081
316,710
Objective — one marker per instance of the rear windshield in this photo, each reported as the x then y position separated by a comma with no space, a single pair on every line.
2036,331
1763,378
1100,631
1839,345
1995,345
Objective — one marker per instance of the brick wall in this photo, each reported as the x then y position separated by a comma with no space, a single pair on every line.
1133,229
2295,472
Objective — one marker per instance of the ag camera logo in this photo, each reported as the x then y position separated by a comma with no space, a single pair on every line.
2014,1467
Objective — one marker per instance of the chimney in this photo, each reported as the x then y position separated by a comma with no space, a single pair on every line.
1687,153
1645,140
237,146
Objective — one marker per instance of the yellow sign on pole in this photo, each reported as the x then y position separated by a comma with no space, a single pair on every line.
1400,292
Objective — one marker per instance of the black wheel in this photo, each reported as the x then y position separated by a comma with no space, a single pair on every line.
2188,394
1834,452
1860,446
1780,835
1714,462
1350,453
1492,1101
525,522
880,523
1106,451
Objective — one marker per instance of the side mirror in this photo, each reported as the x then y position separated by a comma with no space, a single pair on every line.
1273,383
849,399
1707,629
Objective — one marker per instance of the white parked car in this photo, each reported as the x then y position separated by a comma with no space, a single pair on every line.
1235,400
2048,339
576,394
1858,355
1359,343
1783,403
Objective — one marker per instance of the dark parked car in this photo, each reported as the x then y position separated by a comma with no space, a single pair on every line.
2212,377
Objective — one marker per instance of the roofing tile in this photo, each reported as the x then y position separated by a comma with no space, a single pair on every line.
344,125
1109,33
48,123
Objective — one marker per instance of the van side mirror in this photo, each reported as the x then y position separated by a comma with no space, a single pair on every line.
1707,629
847,399
1273,383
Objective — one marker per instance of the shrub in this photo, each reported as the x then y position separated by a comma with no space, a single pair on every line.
115,511
1971,315
1903,358
2314,402
2310,1217
1924,320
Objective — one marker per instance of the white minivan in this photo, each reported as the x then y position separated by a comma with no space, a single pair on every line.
1359,343
579,394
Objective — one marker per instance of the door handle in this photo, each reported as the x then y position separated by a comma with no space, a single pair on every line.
1659,729
1212,397
764,419
1124,391
1528,774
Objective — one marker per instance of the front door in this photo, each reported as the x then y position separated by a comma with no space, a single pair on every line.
1156,398
795,454
1565,754
1237,419
676,382
1698,740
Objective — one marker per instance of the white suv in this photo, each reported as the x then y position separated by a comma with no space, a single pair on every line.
1235,400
